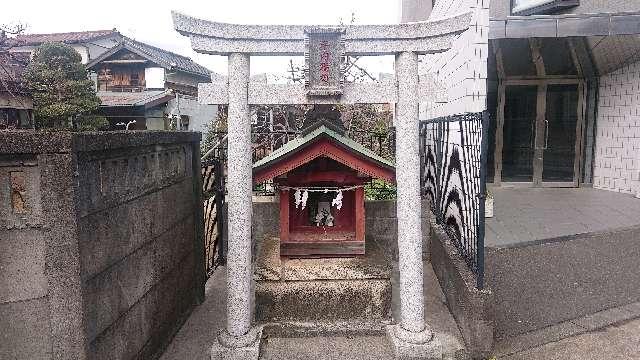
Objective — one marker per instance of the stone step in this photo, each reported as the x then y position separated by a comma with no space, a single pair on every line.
306,329
325,289
323,300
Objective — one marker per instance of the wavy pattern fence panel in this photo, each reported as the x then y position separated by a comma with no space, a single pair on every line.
453,179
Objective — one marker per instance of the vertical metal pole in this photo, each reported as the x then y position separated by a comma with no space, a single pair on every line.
200,247
481,199
220,224
239,203
408,201
439,146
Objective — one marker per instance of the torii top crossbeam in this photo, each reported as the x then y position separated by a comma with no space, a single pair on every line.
223,39
282,40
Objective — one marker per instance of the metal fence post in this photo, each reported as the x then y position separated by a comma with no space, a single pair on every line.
481,199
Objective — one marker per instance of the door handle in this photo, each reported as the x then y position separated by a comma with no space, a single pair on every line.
546,134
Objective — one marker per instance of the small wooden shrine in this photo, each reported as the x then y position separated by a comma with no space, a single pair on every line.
320,178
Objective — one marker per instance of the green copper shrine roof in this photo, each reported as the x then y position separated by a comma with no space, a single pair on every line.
321,130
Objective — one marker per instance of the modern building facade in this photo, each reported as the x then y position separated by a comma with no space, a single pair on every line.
561,84
560,81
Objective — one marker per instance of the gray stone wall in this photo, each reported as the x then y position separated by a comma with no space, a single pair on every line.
99,244
24,300
472,309
381,224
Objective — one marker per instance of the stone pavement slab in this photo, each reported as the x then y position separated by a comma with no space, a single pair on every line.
599,322
530,214
327,348
617,342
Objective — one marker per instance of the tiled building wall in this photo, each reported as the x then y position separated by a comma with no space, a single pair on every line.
617,155
461,71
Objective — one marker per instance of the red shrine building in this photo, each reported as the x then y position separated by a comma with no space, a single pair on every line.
320,177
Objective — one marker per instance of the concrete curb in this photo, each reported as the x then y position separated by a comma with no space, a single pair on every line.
567,329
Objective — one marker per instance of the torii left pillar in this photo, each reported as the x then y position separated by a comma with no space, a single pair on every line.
239,340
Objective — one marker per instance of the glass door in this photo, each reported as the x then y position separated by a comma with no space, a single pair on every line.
561,146
518,133
539,140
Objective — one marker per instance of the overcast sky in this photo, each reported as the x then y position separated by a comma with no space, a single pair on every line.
150,21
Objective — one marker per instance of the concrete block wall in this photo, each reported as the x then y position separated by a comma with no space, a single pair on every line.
461,71
617,153
100,241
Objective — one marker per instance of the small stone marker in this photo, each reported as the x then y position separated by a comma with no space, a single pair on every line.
18,192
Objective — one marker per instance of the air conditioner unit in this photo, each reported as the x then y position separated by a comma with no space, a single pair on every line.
538,7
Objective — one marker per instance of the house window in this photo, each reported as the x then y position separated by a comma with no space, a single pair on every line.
104,79
134,80
538,7
184,122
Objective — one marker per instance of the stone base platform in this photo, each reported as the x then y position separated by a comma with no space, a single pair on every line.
322,290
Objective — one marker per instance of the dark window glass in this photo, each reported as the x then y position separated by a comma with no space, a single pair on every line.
516,57
557,58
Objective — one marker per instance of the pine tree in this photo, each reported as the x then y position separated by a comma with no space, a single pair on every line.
60,87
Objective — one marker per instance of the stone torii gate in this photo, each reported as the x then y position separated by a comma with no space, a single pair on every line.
323,47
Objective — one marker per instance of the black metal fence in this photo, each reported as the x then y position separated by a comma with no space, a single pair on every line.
213,190
453,172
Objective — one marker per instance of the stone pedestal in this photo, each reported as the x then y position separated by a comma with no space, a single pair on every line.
325,290
414,345
231,347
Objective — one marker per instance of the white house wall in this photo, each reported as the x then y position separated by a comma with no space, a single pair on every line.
155,118
462,70
199,114
617,155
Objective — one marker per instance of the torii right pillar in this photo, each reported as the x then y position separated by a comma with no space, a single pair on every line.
411,337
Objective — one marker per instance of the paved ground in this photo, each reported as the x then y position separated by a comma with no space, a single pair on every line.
618,342
327,348
528,214
196,336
